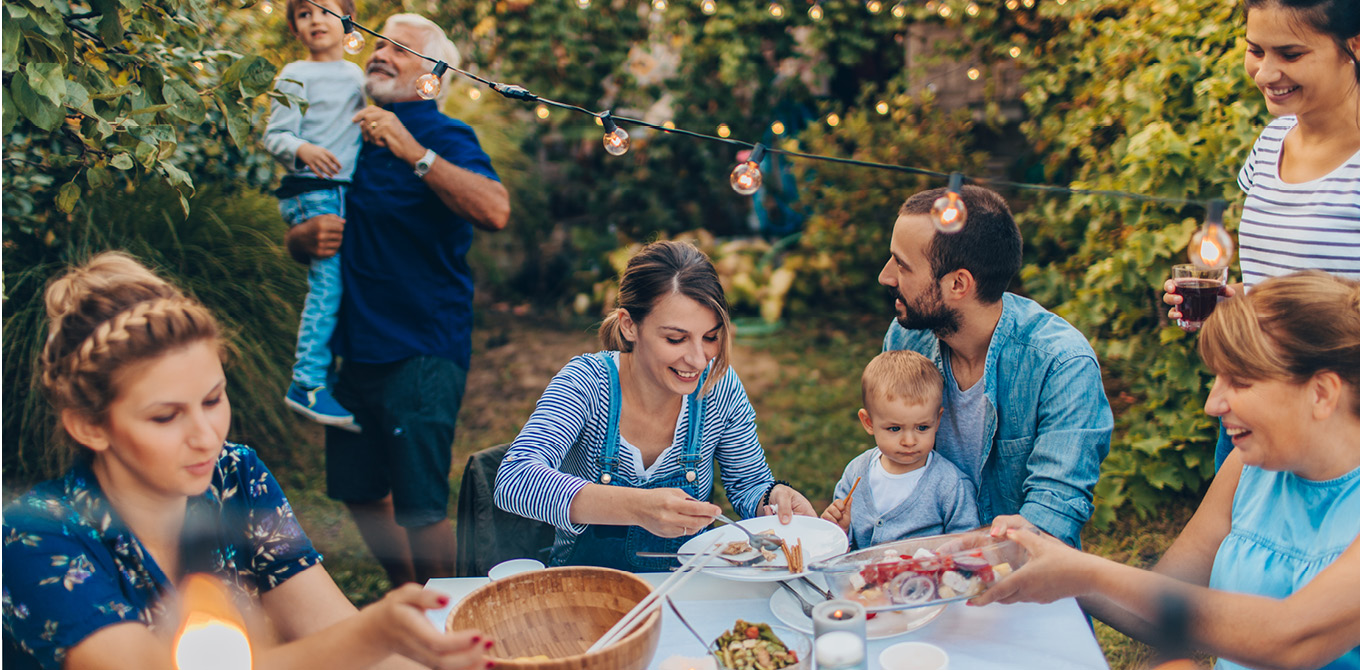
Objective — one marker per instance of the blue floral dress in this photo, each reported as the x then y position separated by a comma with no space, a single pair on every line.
72,567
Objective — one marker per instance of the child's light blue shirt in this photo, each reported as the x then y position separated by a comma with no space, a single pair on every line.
944,502
334,91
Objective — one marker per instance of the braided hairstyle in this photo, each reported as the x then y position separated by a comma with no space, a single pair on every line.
105,315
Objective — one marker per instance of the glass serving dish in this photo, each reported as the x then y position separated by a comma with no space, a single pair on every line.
921,572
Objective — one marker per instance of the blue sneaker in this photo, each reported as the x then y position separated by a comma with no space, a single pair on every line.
320,406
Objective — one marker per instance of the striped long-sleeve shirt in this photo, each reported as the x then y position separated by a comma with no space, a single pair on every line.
558,452
1288,227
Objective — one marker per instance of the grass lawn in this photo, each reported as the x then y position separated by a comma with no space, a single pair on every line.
803,381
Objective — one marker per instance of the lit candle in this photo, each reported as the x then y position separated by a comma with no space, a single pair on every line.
834,615
213,633
840,650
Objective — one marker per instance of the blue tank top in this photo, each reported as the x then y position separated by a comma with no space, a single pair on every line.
1285,530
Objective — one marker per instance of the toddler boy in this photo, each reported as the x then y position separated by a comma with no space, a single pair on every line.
318,147
905,489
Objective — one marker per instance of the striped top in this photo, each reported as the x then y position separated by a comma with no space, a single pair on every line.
1288,227
558,452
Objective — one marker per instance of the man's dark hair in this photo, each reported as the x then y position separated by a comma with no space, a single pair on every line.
988,246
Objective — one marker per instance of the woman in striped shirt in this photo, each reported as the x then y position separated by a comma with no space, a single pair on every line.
619,452
1302,179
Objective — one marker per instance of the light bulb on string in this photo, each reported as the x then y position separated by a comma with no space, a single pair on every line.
474,94
833,119
931,6
874,6
541,111
974,73
1029,4
973,9
583,4
899,10
946,11
881,107
777,128
668,125
1012,5
266,7
723,130
815,11
354,39
776,10
949,212
746,176
708,7
429,84
1211,248
660,5
615,138
1014,52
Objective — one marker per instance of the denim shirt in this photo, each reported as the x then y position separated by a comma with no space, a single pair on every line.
1042,459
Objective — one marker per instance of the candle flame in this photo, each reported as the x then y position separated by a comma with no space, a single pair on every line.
213,635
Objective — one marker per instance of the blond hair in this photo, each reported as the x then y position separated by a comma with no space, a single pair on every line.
104,315
1288,329
905,376
661,269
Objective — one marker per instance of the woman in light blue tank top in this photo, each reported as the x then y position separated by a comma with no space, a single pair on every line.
1267,572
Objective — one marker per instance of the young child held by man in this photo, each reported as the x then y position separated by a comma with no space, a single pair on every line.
905,489
318,147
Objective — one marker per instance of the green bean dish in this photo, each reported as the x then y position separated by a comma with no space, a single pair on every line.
753,646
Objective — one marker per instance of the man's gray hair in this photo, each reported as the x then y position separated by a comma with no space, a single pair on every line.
435,43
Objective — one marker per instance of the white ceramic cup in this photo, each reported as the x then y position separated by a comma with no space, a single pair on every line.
913,656
513,567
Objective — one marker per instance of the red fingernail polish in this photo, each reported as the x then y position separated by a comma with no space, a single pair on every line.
443,600
489,644
476,639
490,664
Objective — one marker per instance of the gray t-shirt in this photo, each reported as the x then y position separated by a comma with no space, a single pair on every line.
334,91
960,436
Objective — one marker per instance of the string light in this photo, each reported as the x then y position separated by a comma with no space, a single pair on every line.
776,10
946,11
429,84
583,4
815,11
615,138
354,40
746,176
1211,247
974,73
266,7
949,212
899,10
777,128
1217,247
709,7
660,5
874,6
474,94
1029,4
932,6
973,9
1012,5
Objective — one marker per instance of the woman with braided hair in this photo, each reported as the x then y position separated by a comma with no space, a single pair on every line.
92,560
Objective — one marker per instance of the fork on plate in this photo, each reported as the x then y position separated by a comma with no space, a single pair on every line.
757,541
738,562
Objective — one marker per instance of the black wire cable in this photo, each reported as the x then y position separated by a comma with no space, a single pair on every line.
516,92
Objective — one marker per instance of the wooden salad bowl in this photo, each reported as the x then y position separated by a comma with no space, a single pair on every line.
559,613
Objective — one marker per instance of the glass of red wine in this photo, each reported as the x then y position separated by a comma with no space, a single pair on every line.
1199,289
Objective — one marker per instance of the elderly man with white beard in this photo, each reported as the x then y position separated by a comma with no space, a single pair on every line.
421,186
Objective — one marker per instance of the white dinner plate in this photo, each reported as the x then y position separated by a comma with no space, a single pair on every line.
821,539
883,625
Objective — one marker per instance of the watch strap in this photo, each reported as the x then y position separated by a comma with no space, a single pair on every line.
425,163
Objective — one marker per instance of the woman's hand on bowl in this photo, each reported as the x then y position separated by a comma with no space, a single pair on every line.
787,502
400,625
1053,572
673,513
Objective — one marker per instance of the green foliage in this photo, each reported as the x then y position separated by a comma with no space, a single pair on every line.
226,254
1146,97
94,95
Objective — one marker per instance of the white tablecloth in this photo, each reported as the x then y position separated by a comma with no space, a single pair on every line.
1009,637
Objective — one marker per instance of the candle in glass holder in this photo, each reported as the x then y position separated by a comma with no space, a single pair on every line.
840,650
832,615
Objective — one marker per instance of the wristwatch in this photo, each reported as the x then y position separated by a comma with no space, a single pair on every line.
425,163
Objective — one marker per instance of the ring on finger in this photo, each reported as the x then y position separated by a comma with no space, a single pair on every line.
373,125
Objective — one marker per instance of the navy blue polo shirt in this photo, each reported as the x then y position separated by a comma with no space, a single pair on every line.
407,285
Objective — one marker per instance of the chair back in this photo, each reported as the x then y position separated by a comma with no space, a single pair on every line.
486,534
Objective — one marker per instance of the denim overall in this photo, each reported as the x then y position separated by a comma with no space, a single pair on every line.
617,546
